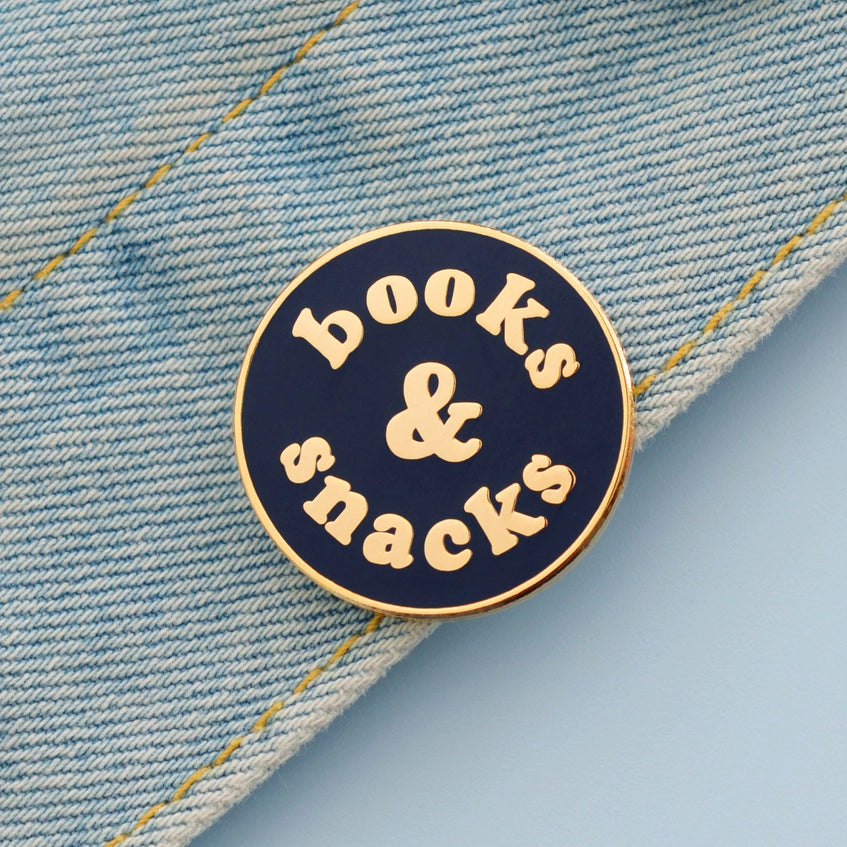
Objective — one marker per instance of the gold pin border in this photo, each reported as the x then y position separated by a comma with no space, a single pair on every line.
551,571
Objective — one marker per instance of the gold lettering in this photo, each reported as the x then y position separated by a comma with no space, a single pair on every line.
337,492
501,527
391,544
553,481
418,431
547,368
319,335
504,312
301,463
392,299
441,300
435,550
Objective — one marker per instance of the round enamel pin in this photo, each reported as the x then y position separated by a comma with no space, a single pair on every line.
433,419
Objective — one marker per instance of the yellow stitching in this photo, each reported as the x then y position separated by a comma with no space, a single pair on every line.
158,175
10,298
82,241
305,683
201,139
822,216
787,248
308,46
745,291
262,722
53,263
257,727
272,80
195,777
228,751
123,204
236,110
344,13
751,283
715,321
679,355
151,812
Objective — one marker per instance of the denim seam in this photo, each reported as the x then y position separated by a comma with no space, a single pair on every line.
261,723
716,319
125,202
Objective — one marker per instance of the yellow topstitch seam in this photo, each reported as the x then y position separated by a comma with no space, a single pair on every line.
743,293
124,203
259,725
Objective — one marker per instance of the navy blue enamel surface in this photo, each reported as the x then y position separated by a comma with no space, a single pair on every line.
291,393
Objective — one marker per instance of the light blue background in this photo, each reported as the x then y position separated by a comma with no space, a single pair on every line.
686,683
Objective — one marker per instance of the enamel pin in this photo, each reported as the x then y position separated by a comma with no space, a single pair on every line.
433,419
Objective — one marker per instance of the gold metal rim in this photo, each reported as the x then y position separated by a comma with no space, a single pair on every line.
552,570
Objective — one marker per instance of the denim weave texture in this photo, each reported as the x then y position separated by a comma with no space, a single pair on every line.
167,167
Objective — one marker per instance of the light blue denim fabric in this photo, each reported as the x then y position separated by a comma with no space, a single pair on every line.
685,159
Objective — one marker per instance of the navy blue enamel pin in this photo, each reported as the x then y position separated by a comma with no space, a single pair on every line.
433,419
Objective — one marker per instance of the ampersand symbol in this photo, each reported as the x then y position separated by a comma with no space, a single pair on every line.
418,431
